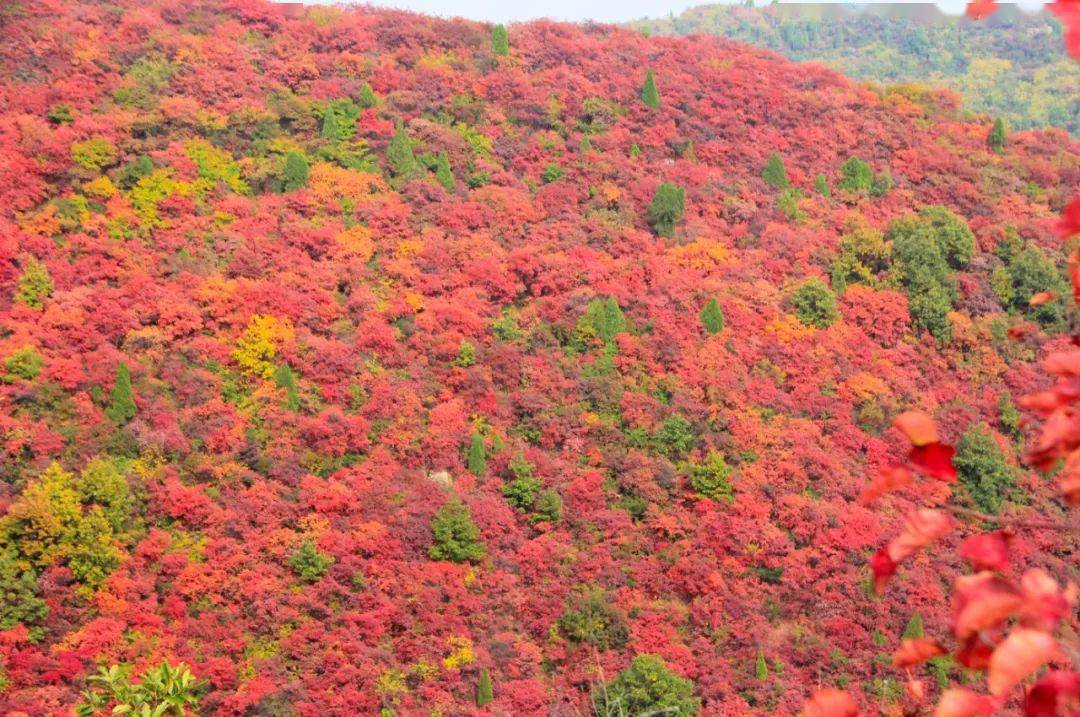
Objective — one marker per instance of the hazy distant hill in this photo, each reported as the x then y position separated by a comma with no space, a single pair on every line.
1013,65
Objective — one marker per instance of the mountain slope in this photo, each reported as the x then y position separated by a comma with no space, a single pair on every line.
346,357
1011,65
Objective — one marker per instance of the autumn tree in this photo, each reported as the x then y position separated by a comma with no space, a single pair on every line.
34,285
666,209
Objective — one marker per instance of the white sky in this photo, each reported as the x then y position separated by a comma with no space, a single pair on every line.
599,10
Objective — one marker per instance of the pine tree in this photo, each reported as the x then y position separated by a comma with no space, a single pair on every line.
121,405
775,174
285,378
457,538
500,41
666,209
649,94
477,457
367,97
997,136
914,628
712,318
443,174
821,185
295,175
330,126
399,154
761,668
484,693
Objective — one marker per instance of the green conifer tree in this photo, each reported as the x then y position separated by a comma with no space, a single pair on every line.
997,136
477,457
121,404
457,538
649,94
399,154
914,628
712,318
761,668
821,185
484,692
500,41
295,175
443,174
774,173
367,98
666,209
285,378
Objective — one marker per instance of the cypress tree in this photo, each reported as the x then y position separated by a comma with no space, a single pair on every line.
712,318
774,173
285,378
500,42
666,209
914,628
296,172
761,668
330,126
399,154
457,538
997,136
367,98
121,405
443,174
649,94
484,693
821,185
477,457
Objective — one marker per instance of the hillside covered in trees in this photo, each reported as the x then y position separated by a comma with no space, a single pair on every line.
1011,64
355,362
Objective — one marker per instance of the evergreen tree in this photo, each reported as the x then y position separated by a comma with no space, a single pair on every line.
914,628
548,506
443,174
285,378
821,185
666,209
855,176
457,538
367,97
399,154
647,687
330,126
712,318
983,469
308,563
295,175
997,136
484,692
635,150
761,668
477,457
815,303
649,94
774,173
121,404
500,41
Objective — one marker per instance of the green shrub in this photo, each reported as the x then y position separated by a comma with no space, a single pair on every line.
675,437
552,173
34,285
711,317
93,154
815,303
666,209
308,563
983,469
647,687
603,320
24,363
457,538
548,507
712,479
590,618
774,173
476,457
164,690
855,176
295,173
443,174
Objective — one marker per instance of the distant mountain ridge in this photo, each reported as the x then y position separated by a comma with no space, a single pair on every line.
1012,65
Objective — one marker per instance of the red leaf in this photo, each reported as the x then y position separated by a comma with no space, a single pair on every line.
982,601
987,551
1056,694
884,568
888,480
1063,363
920,529
918,427
935,460
975,651
959,702
1069,224
1043,297
1045,604
830,702
978,9
1022,652
916,651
